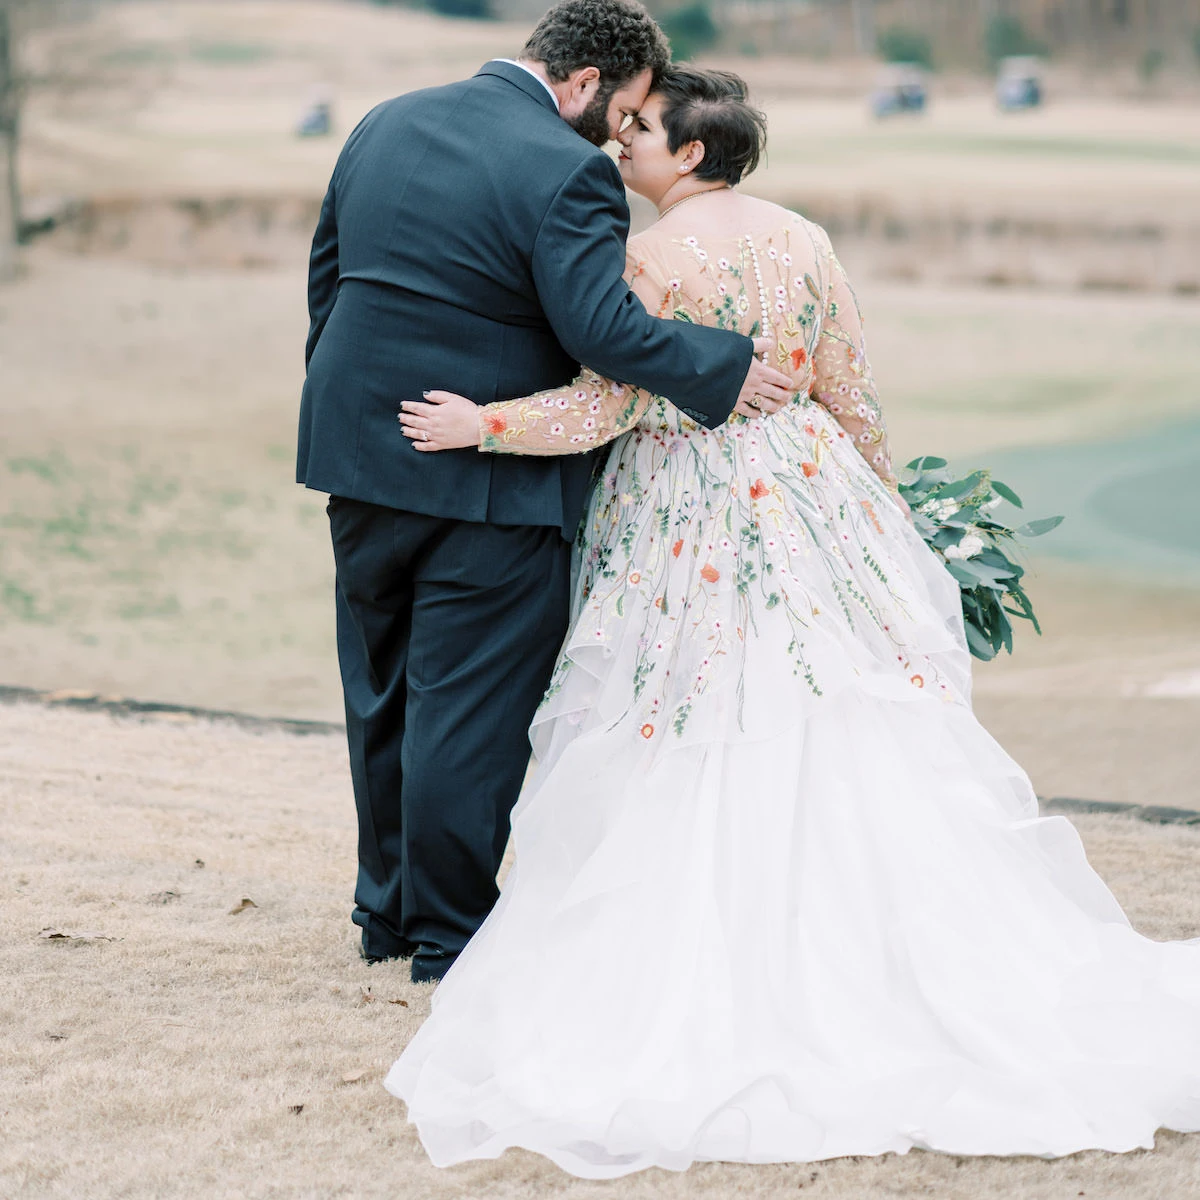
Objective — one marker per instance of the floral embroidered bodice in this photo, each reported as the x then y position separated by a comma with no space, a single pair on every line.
786,279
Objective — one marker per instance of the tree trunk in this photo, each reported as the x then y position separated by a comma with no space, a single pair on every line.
10,201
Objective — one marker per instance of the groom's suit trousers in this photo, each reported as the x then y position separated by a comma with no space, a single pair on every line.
447,633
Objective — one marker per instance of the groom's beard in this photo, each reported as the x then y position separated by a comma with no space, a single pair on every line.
592,123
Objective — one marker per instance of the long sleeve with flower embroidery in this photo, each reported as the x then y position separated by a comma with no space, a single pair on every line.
842,379
574,418
581,415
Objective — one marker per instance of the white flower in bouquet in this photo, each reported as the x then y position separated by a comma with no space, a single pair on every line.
967,547
939,510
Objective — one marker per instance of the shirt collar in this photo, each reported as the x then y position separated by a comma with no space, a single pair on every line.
513,62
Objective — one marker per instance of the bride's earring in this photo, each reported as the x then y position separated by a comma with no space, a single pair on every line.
683,170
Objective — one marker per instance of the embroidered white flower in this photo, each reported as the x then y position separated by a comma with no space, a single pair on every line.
723,263
675,284
556,430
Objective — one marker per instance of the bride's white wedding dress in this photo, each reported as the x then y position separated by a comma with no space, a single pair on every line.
778,896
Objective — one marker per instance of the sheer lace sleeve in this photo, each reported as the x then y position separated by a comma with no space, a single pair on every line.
842,375
580,415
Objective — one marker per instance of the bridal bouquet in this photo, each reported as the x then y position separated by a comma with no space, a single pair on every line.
956,518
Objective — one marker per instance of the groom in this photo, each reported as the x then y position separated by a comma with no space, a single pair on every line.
473,239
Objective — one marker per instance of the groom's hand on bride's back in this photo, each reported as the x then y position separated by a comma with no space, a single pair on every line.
765,389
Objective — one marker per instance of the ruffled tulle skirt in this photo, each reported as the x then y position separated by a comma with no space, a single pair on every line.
778,896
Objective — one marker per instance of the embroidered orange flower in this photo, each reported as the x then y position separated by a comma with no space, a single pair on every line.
809,469
917,681
635,577
758,490
495,422
677,549
874,516
810,431
647,730
709,573
658,601
799,358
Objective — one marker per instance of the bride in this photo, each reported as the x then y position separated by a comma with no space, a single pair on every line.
778,896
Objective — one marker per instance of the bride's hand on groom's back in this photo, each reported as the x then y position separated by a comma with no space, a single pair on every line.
765,389
443,421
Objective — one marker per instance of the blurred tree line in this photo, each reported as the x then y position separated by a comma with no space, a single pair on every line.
1150,34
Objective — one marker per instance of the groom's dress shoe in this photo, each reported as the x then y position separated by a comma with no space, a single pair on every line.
403,950
429,964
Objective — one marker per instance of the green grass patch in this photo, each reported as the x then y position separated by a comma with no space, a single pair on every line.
138,54
1029,146
1017,394
229,54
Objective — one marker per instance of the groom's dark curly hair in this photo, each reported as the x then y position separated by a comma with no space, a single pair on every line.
617,37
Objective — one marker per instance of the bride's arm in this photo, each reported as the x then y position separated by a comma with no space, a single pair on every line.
579,416
571,419
842,375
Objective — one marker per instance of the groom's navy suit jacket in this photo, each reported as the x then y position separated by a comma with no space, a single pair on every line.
471,241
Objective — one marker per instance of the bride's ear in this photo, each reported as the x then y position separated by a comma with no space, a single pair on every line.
693,158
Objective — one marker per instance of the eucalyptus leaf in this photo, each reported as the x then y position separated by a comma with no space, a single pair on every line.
980,647
1002,489
960,487
1038,527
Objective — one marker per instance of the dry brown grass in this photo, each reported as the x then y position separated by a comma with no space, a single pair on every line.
170,1062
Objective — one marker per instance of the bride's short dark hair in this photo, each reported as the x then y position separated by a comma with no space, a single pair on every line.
618,37
711,107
